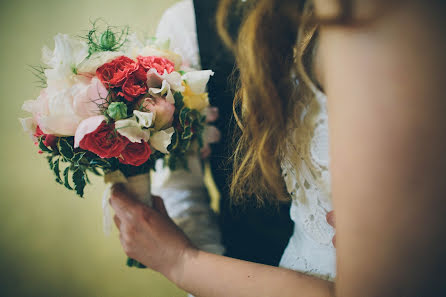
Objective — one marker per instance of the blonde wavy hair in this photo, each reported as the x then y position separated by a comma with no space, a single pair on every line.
274,56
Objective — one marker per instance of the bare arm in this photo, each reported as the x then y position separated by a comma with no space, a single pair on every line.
151,237
211,275
387,113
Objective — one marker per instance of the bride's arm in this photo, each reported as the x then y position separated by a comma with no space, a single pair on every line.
151,237
387,111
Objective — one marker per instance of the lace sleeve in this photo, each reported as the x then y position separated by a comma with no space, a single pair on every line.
184,191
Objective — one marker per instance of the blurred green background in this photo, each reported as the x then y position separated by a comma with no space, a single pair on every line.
51,242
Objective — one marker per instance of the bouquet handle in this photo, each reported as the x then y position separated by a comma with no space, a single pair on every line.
139,186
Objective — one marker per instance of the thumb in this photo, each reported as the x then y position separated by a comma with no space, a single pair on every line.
121,201
158,204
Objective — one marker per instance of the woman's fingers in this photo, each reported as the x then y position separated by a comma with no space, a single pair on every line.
122,202
158,204
117,221
331,221
331,218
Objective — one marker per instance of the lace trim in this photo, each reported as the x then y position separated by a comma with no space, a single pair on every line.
309,185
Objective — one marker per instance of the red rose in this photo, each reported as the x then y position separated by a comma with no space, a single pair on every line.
49,140
104,142
133,88
38,132
159,63
136,154
114,73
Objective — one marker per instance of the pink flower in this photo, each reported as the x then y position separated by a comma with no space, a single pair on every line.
162,110
59,111
159,63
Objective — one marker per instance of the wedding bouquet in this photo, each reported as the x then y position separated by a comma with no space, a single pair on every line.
112,105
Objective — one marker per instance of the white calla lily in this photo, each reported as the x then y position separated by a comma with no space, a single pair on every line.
162,139
164,91
145,119
197,80
132,130
154,79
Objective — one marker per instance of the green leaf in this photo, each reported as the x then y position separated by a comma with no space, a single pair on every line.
200,140
43,147
65,149
100,163
66,175
77,158
187,133
79,182
178,100
185,145
130,262
183,115
95,171
50,162
56,171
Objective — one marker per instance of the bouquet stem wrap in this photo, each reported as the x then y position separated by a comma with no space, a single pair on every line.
138,186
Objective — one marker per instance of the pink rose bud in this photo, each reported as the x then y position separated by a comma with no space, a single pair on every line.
162,109
211,114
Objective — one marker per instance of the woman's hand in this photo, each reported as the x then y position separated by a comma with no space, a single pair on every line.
331,221
149,235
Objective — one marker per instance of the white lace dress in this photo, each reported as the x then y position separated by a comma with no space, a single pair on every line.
309,250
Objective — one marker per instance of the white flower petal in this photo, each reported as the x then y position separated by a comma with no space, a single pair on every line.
145,119
86,127
68,52
154,79
197,80
96,60
59,125
175,81
160,91
169,97
164,91
132,130
28,124
29,105
162,139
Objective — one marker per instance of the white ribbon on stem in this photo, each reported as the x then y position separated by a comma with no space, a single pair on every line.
138,186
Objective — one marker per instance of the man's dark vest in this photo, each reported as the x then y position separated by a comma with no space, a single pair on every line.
249,233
